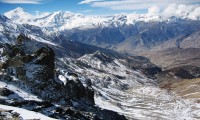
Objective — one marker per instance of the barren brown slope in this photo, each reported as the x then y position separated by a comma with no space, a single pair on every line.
184,88
174,57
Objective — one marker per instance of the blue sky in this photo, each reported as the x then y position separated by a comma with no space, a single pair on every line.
91,7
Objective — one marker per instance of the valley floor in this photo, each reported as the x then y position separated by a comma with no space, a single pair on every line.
149,102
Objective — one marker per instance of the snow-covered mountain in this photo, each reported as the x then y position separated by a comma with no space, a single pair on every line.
64,20
19,15
121,32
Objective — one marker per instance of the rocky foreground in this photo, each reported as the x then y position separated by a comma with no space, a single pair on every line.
29,80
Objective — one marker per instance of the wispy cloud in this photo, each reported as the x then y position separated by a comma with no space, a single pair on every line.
86,11
89,1
134,4
22,1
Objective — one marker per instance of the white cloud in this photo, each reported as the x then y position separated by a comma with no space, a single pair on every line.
184,11
167,8
154,10
21,1
195,13
178,10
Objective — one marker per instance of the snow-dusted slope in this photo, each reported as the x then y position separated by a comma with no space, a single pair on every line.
9,30
25,114
128,91
6,27
19,93
149,103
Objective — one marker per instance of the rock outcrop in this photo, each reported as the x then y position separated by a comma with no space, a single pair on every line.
5,92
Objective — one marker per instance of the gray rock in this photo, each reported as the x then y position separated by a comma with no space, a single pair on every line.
5,92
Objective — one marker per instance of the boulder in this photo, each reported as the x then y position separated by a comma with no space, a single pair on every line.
5,92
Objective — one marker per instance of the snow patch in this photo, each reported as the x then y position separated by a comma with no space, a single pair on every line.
26,114
19,93
62,78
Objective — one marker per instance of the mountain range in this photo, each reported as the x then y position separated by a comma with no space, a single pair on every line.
121,32
71,66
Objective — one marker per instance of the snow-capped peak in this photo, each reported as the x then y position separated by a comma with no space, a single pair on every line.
19,9
19,15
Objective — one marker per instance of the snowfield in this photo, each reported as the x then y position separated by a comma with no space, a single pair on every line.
25,114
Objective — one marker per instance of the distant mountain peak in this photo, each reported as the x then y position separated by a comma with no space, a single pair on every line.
18,9
19,15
